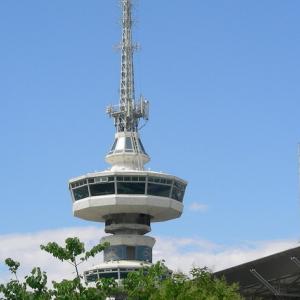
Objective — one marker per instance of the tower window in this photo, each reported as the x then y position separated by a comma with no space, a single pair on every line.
159,190
124,274
128,144
178,191
113,146
102,189
130,251
134,188
120,144
142,147
113,275
81,193
91,277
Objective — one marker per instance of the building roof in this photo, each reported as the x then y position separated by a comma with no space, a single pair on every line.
274,275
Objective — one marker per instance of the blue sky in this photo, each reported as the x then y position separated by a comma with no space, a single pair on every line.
222,78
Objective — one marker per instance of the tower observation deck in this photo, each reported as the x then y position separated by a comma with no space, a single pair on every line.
127,198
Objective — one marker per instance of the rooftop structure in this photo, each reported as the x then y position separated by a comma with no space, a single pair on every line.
127,198
273,277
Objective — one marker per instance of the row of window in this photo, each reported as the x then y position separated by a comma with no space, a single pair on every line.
125,252
118,274
127,144
175,191
156,179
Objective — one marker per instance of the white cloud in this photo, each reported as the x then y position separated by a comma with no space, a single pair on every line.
198,207
182,254
25,248
179,253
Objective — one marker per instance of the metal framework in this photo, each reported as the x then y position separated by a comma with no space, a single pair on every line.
285,288
128,113
265,282
274,277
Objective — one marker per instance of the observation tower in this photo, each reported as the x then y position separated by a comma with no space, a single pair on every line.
127,198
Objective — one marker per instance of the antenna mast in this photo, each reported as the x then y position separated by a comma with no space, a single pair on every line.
128,113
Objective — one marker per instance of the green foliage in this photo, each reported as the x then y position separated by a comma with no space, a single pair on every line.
74,253
149,283
13,266
72,249
37,281
95,250
14,290
204,285
108,285
67,289
145,283
35,286
155,283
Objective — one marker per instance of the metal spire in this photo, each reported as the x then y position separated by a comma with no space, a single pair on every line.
128,112
127,48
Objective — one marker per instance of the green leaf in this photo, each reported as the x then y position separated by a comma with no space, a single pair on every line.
12,265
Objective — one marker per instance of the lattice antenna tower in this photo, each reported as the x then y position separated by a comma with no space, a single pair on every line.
129,111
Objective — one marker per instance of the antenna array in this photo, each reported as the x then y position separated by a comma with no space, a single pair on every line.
128,113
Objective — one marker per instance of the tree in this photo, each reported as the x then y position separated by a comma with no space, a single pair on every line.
36,281
156,283
149,283
74,252
144,283
35,285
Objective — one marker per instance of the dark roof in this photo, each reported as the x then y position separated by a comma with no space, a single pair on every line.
280,270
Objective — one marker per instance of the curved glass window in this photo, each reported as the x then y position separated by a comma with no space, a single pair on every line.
142,147
179,184
159,190
130,252
178,191
131,185
124,274
144,253
131,178
101,189
78,183
160,180
134,188
120,145
109,275
104,179
177,194
115,253
81,192
113,146
128,145
91,277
